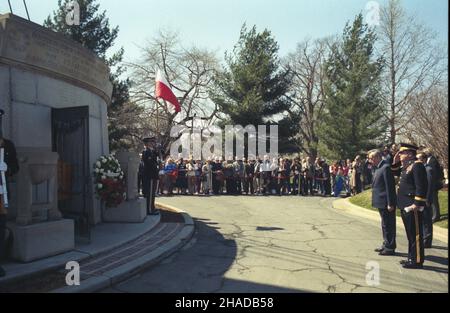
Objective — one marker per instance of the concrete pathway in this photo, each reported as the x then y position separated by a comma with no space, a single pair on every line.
285,244
117,252
104,237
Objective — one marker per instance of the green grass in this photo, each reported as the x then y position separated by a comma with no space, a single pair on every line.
443,204
364,200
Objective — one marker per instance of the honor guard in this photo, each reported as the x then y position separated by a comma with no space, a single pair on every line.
150,174
411,199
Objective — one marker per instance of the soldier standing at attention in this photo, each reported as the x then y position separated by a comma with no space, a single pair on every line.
150,174
411,199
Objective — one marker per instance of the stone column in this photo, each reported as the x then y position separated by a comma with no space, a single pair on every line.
129,162
133,210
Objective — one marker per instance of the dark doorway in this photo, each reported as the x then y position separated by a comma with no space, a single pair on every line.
70,133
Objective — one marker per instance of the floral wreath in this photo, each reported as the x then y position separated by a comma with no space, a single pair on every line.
109,181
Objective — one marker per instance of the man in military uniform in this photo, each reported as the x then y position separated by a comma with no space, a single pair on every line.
411,199
150,174
10,166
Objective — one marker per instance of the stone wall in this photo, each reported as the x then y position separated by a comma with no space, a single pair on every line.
41,70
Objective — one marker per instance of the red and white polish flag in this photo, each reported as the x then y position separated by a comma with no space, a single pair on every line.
163,91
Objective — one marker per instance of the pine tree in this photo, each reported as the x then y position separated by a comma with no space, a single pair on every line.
352,122
96,34
94,31
251,88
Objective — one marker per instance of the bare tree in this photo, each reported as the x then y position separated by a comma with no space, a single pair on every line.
307,94
189,73
414,63
429,121
129,121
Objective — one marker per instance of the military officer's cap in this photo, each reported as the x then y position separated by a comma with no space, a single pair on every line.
149,139
408,147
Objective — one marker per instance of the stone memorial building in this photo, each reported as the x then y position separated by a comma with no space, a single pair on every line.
55,95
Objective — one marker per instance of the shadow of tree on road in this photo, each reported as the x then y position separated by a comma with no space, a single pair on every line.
198,268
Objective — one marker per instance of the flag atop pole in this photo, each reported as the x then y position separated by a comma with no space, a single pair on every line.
163,91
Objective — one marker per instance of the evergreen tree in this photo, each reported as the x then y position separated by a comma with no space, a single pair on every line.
96,34
251,88
94,31
352,122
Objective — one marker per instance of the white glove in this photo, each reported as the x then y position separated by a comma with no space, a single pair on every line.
3,167
414,207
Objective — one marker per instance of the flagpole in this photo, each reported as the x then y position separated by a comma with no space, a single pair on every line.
157,120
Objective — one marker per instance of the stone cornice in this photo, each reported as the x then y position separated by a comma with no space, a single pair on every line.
27,45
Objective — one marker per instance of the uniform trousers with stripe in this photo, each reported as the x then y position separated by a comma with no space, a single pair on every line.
413,222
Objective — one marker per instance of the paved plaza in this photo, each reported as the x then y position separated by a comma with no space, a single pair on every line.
284,244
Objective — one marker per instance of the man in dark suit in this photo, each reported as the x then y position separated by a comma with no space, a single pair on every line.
150,175
385,200
428,212
387,155
411,199
437,182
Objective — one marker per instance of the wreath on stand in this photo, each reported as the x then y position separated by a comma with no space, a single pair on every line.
109,181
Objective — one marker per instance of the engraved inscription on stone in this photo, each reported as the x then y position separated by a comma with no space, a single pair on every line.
33,45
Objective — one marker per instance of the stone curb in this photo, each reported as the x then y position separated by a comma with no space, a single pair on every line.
345,205
130,269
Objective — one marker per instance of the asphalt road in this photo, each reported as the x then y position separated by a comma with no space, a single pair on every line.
285,244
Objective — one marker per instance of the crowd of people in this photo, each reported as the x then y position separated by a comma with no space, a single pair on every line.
263,176
414,191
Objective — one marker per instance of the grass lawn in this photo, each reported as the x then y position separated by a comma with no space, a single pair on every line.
365,200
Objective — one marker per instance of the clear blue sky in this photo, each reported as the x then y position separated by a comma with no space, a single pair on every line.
216,23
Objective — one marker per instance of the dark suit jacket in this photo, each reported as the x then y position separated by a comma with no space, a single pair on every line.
435,182
430,178
150,162
383,187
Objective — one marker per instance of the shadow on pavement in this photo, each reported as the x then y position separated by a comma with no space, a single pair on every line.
168,216
435,269
199,268
213,262
260,228
202,265
439,248
437,259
